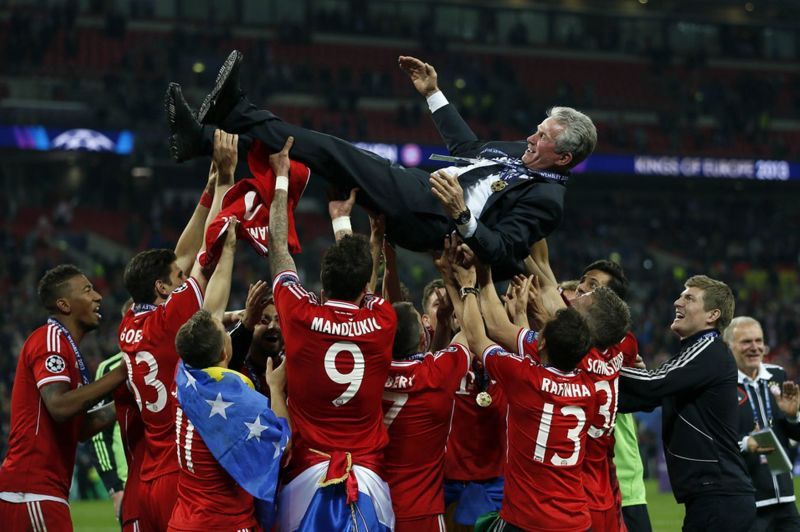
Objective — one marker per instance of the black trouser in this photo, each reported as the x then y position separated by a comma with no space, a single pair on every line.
414,218
777,518
636,517
731,513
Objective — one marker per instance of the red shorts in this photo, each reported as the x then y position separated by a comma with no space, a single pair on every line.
606,520
131,526
428,523
156,500
36,516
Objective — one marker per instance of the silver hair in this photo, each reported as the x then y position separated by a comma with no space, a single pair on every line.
579,136
727,334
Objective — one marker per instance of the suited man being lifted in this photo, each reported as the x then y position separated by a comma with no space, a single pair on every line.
502,203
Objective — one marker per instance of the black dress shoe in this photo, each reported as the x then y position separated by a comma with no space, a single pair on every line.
223,97
186,133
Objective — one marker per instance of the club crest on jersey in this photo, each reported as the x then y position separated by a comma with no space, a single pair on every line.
741,395
181,288
55,364
531,336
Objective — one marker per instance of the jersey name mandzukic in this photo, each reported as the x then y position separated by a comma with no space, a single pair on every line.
353,328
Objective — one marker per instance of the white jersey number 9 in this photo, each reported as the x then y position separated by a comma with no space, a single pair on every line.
352,379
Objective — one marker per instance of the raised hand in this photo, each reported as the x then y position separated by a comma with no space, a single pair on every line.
255,304
225,156
444,311
466,276
422,74
521,289
338,208
443,262
276,377
788,398
230,234
279,162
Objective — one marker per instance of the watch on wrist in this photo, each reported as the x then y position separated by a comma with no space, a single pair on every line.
464,290
462,217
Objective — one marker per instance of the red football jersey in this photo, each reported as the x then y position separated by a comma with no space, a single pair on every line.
41,452
603,367
147,339
476,446
208,497
417,409
549,414
337,360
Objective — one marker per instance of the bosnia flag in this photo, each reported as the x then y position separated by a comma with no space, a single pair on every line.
248,441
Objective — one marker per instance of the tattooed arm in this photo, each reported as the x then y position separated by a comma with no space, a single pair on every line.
279,258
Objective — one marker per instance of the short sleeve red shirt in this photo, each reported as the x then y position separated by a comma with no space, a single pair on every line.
41,452
418,407
147,339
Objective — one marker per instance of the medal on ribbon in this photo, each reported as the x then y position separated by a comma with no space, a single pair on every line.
499,185
483,399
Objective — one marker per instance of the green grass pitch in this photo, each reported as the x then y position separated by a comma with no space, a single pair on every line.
665,514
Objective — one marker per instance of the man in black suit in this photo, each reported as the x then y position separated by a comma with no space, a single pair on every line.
500,205
767,399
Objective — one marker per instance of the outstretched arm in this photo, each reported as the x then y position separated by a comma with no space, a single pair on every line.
279,258
226,156
96,421
538,264
470,317
192,237
422,75
339,211
443,332
499,326
458,136
444,265
219,286
276,380
63,403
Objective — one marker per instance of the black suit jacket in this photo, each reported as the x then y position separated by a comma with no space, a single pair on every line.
770,489
513,218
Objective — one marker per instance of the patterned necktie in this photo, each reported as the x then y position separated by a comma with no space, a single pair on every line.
509,171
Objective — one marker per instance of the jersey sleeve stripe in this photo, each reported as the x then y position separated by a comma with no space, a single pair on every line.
666,368
197,292
521,339
48,380
489,349
53,339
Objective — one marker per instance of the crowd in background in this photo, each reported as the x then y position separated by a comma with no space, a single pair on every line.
677,74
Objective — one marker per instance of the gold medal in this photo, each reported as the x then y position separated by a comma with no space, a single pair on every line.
483,399
498,185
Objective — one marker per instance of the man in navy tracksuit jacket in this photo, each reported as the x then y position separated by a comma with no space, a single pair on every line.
697,390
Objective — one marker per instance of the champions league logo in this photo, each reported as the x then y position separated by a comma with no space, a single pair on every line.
83,139
55,364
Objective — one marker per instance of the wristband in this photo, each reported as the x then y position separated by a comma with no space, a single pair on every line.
465,290
206,199
341,223
282,183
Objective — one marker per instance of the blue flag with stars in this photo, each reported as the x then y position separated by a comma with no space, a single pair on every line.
239,428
